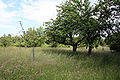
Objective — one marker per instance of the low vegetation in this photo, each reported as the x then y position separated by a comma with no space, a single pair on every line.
59,64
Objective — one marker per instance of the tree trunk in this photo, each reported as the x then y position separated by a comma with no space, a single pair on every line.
74,48
90,50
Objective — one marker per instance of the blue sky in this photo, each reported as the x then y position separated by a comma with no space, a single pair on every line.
32,13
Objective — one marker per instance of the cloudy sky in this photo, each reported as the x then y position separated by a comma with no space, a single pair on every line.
32,13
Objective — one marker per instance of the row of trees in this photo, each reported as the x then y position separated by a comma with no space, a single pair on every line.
78,22
30,38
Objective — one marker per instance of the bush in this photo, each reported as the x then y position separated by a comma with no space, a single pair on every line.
1,44
114,42
115,47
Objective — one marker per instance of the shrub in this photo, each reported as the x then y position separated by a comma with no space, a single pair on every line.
114,41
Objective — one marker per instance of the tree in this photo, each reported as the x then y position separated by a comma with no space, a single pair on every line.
114,41
75,22
108,13
41,36
17,41
63,30
109,17
61,34
6,40
33,38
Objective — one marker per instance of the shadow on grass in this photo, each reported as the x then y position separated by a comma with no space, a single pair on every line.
98,58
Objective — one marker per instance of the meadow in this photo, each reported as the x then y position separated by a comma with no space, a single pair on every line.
59,64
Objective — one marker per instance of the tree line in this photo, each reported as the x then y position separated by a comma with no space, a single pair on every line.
77,23
29,38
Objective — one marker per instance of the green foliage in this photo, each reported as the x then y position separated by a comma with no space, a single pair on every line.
114,41
75,23
64,46
30,38
109,15
110,19
1,44
33,38
6,40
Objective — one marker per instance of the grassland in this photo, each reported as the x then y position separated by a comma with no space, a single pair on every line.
58,64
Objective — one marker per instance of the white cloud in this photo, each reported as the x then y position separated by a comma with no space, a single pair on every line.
12,4
5,26
8,29
2,5
6,17
95,1
40,11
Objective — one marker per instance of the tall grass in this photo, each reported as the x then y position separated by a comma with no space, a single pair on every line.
58,64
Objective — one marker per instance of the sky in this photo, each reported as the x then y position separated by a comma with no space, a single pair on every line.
32,13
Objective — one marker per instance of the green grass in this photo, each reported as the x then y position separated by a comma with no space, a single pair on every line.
58,64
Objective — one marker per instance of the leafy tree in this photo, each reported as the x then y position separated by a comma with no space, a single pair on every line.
17,41
108,13
62,35
63,30
30,38
41,36
109,17
75,23
33,38
6,40
51,43
114,41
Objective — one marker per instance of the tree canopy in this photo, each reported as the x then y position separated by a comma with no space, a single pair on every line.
75,22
